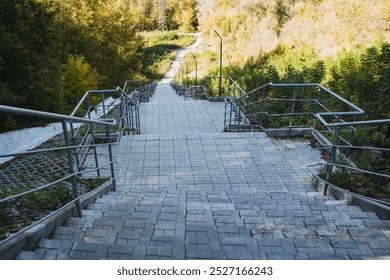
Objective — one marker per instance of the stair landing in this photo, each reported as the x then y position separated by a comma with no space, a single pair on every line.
187,190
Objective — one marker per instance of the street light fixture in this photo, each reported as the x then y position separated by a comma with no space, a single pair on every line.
220,64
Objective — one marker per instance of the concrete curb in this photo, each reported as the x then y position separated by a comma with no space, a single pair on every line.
27,240
366,204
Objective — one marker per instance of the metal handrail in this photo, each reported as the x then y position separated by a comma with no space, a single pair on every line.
232,81
46,115
48,216
65,120
141,93
63,179
53,150
356,123
347,191
77,146
195,91
242,110
129,82
335,147
88,93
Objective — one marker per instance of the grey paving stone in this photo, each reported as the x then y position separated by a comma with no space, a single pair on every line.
233,255
82,255
65,248
198,254
380,245
269,242
50,244
121,250
346,244
159,251
362,257
228,229
189,191
28,255
139,252
306,243
197,240
323,257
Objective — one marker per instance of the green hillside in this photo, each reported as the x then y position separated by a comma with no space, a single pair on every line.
52,51
251,26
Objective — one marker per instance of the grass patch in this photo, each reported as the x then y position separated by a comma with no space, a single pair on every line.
22,212
160,51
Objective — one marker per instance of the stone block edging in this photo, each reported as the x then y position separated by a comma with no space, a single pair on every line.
365,203
28,239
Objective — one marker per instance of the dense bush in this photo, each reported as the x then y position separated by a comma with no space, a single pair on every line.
51,51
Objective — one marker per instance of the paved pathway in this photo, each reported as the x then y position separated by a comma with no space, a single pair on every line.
189,191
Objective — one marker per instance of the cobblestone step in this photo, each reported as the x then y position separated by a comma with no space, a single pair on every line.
229,248
189,191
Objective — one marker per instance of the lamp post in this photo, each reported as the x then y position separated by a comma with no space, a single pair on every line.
220,63
196,70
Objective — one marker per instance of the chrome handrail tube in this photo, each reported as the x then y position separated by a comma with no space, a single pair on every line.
253,105
193,92
335,147
47,115
329,127
80,140
237,91
65,120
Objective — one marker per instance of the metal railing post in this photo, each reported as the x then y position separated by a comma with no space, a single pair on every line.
264,94
251,106
332,158
319,100
231,115
74,144
129,115
225,116
292,112
121,109
108,134
104,106
350,140
94,150
94,147
71,169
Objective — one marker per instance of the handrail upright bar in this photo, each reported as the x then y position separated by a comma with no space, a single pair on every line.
242,92
94,147
350,139
292,111
121,111
71,169
102,91
74,144
264,93
332,158
47,115
108,134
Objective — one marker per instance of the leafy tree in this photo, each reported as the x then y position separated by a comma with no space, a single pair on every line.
79,77
31,56
104,33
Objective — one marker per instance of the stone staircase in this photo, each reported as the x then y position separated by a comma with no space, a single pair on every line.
189,191
151,230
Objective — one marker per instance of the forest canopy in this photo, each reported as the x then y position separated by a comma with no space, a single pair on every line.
326,26
52,51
